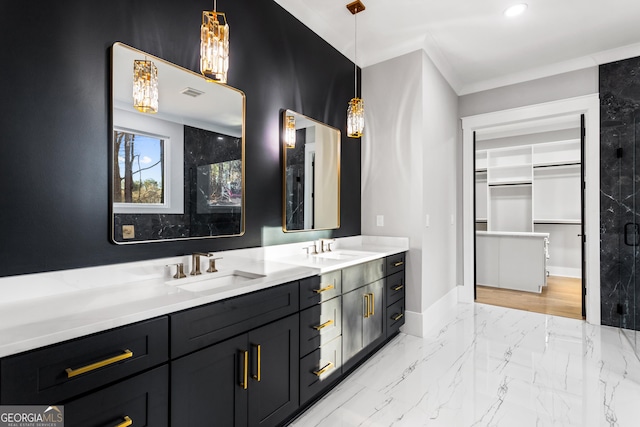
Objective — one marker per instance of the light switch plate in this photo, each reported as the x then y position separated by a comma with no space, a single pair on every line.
128,232
380,220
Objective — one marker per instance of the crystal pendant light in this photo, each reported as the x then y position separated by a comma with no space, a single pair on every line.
214,45
355,111
145,86
290,132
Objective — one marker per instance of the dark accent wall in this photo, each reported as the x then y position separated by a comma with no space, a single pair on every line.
620,193
55,121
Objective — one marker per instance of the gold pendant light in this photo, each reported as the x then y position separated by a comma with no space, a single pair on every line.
145,86
290,132
214,45
355,111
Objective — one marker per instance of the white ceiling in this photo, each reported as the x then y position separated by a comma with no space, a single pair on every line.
471,42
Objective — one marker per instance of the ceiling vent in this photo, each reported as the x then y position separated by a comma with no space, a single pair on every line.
191,92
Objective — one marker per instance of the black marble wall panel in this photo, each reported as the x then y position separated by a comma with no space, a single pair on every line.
55,121
620,193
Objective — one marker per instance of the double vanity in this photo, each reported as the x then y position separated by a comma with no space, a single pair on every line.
253,343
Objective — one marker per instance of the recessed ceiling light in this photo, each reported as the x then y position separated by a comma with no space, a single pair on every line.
515,10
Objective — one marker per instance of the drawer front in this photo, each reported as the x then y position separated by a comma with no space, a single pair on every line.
199,327
395,263
143,399
60,372
362,274
395,285
316,289
318,368
320,324
395,317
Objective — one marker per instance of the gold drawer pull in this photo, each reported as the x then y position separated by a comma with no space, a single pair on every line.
398,316
245,376
126,423
321,290
75,372
367,306
398,264
324,369
373,305
397,288
324,325
258,375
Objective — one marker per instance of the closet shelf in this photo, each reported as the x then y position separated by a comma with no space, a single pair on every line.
557,221
509,183
556,165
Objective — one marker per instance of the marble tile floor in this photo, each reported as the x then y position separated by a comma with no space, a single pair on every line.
491,366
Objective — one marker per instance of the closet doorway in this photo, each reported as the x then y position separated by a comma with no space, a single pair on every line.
529,215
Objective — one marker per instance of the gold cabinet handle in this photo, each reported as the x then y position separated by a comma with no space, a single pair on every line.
258,375
324,369
366,306
372,311
245,376
126,423
398,316
75,372
397,288
324,325
321,290
398,264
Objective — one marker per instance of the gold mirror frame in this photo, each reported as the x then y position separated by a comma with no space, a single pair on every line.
204,119
302,208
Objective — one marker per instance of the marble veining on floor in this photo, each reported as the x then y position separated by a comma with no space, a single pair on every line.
491,366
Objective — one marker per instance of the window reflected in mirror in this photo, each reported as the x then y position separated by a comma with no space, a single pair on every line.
139,168
311,153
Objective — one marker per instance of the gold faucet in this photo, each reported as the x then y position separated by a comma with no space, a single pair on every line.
329,242
195,262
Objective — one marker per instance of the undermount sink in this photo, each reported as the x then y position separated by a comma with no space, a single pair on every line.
342,254
215,282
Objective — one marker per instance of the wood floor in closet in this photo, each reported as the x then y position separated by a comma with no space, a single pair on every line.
561,297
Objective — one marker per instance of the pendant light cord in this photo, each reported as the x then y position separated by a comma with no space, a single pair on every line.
355,49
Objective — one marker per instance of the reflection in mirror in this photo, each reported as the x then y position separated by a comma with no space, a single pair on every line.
311,164
177,173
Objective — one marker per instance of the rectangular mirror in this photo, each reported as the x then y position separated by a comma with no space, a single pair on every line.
311,175
178,172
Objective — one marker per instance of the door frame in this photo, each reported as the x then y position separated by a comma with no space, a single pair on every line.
589,105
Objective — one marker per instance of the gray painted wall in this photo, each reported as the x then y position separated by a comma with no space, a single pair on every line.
561,86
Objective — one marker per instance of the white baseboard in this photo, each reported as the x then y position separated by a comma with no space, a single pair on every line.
565,271
418,324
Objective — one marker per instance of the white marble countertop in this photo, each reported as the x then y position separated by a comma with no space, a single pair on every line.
47,308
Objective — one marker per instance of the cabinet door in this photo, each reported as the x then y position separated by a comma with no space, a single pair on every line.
373,325
141,400
362,319
208,387
273,372
354,310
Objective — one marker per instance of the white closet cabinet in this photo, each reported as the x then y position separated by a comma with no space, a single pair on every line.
533,188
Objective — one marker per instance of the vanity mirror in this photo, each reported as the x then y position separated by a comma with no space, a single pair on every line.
177,173
311,175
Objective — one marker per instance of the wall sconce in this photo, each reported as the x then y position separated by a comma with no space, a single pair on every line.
290,132
355,111
145,86
214,45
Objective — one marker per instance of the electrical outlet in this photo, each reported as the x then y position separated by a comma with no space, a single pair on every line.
380,220
128,232
427,221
